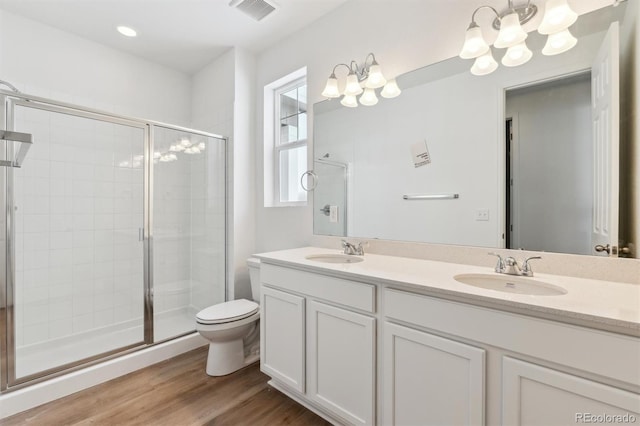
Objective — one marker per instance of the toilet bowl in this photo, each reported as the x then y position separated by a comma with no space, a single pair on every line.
232,329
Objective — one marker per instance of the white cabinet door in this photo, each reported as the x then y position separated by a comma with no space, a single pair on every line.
430,380
535,395
282,337
341,363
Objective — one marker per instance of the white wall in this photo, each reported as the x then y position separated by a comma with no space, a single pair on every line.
44,61
244,176
222,103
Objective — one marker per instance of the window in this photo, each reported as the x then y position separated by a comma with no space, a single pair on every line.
286,140
291,141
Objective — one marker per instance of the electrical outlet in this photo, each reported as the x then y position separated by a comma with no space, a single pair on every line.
482,215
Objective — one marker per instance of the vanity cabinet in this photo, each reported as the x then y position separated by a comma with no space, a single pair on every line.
395,354
543,372
430,380
318,338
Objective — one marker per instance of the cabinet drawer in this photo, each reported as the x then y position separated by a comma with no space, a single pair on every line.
348,293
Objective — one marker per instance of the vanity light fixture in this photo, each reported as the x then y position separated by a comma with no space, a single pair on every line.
361,81
558,17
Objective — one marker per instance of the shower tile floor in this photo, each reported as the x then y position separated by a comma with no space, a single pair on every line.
52,354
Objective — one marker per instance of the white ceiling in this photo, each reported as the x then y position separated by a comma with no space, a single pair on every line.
181,34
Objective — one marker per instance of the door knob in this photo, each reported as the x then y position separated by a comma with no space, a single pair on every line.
622,251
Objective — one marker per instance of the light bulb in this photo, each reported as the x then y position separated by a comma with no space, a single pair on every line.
369,97
192,150
353,85
559,43
185,142
474,43
127,31
201,146
484,64
375,79
331,88
349,101
391,89
511,33
558,16
517,55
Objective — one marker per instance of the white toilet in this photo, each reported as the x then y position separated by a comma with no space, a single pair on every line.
233,329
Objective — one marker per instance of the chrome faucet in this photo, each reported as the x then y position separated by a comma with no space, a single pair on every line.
510,266
351,249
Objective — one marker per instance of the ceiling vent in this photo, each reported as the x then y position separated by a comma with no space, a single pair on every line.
256,9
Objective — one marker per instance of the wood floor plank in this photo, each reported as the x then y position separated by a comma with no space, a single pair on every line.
174,392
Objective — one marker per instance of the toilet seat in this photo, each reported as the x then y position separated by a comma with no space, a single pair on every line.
226,312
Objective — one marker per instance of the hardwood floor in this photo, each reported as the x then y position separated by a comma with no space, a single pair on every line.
175,392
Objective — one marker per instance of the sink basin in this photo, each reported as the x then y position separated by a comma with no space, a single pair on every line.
335,258
511,284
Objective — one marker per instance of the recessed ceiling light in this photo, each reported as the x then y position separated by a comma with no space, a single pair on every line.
126,31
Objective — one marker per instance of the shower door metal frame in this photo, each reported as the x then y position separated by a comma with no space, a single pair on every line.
8,100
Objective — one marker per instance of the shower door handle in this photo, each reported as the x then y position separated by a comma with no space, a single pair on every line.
140,234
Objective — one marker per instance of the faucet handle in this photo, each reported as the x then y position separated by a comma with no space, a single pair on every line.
500,265
526,268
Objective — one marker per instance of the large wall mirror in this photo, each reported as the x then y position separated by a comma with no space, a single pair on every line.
520,158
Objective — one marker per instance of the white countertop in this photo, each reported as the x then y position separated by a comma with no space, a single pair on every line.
607,305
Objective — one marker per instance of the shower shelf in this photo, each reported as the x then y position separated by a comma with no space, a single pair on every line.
24,139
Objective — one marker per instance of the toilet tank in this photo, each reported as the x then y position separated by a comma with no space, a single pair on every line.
254,275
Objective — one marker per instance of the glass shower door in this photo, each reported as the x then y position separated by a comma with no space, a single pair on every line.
77,215
189,238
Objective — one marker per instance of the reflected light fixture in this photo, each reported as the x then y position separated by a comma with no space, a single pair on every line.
558,17
127,31
361,81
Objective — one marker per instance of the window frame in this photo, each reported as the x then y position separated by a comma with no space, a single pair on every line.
279,147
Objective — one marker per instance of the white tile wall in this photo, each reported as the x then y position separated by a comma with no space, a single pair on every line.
78,210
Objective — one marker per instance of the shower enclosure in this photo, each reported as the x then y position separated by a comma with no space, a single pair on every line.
113,235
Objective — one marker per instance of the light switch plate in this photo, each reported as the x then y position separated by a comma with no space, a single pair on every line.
333,214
